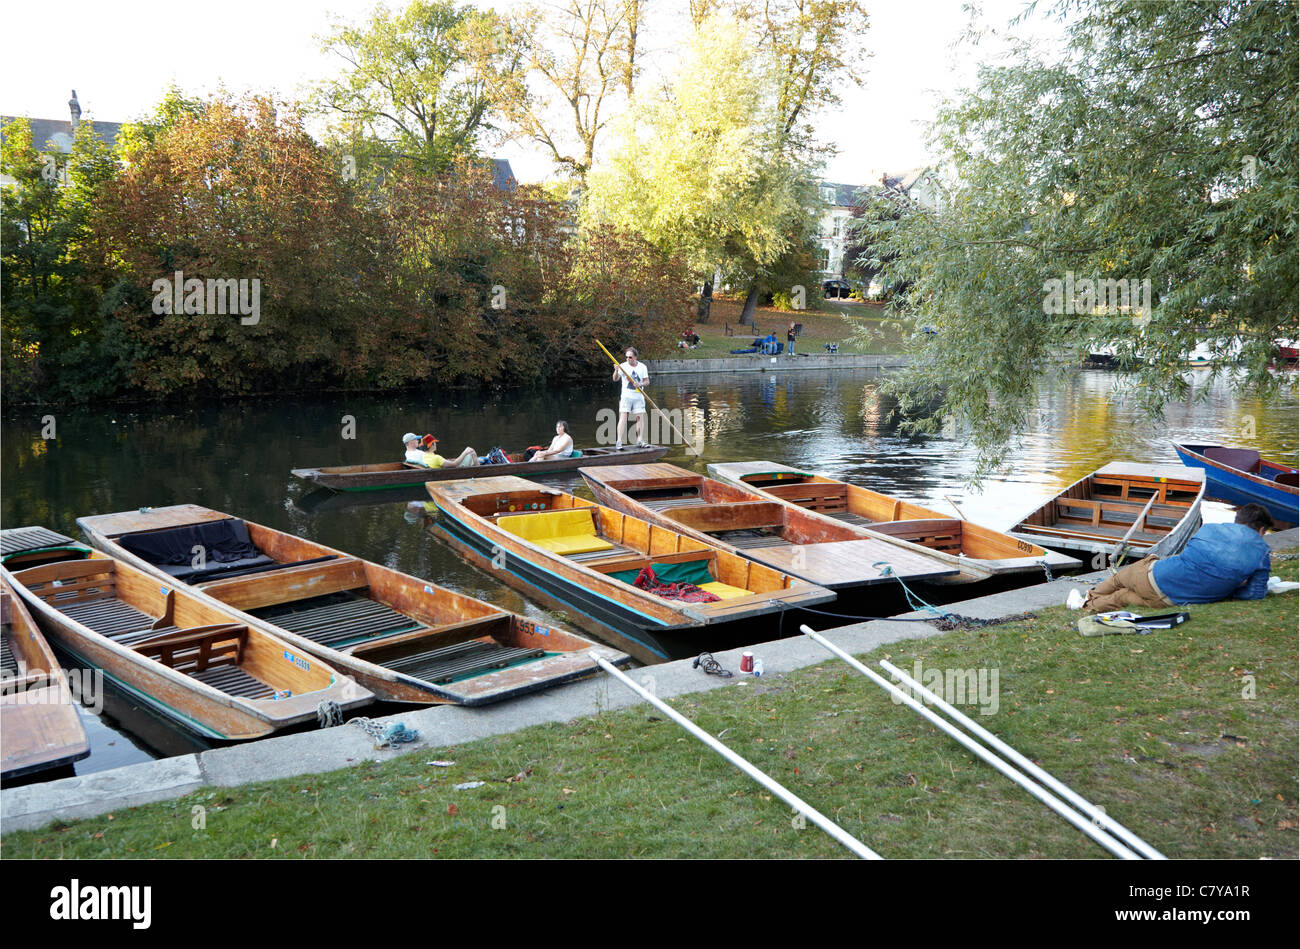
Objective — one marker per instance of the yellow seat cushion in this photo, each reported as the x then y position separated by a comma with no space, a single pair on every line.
724,590
567,531
577,544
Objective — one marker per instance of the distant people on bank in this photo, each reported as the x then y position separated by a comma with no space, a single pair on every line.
1221,562
423,451
561,445
690,339
634,376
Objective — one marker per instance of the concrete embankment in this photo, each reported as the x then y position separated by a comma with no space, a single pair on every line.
314,752
783,363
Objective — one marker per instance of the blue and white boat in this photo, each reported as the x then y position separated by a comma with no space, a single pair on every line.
1241,476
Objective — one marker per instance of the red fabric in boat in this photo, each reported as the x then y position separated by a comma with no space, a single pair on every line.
686,592
1243,459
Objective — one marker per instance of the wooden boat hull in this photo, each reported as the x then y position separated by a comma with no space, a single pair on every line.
979,553
1095,514
1223,482
394,666
811,546
189,633
40,728
378,477
649,627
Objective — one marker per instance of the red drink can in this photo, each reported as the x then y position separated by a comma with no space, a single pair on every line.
746,662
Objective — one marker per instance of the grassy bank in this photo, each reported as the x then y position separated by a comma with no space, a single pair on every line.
1163,730
837,322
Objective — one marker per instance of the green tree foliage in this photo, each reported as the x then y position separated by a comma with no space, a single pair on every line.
1161,146
700,171
426,82
52,327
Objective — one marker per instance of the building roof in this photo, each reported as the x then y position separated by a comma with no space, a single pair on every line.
846,196
904,180
57,133
502,175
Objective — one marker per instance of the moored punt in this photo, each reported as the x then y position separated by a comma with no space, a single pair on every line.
1121,508
979,552
585,558
395,474
39,724
1241,476
197,665
811,546
404,639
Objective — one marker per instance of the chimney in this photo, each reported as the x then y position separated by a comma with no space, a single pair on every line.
75,108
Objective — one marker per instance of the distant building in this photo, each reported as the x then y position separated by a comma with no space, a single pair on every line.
57,134
918,185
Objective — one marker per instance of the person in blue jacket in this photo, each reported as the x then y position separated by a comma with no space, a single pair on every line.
1221,562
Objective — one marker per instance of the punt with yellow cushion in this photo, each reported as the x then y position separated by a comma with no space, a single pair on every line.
583,558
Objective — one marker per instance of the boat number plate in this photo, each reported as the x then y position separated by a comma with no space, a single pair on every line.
300,663
1025,547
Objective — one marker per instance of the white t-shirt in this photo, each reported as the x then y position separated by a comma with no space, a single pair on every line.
561,443
637,372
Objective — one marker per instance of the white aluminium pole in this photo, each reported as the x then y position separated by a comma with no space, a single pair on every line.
1078,800
1078,820
841,836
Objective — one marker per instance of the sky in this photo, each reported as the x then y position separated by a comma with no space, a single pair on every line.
121,58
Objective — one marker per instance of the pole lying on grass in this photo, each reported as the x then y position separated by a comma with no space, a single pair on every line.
1075,818
1098,815
840,835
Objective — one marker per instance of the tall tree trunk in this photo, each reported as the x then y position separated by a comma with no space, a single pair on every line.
751,304
706,302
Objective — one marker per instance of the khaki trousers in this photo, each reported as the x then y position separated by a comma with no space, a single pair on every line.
1128,586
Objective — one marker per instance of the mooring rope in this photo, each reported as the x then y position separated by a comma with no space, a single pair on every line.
329,714
394,734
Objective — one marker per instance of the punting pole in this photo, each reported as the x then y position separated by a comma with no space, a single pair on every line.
619,367
1083,804
840,835
1078,820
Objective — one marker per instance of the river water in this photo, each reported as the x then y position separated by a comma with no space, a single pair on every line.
236,457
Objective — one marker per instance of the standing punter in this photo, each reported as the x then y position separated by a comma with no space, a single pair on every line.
632,399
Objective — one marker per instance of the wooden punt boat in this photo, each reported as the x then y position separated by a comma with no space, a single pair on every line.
396,474
811,546
404,639
1241,476
39,724
198,665
584,558
979,552
1121,508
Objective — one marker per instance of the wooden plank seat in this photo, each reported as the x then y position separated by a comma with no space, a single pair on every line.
815,496
664,504
210,654
848,517
338,619
613,552
935,533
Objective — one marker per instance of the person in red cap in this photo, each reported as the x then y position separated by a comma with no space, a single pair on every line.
424,451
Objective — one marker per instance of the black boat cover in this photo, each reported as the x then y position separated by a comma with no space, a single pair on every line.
211,547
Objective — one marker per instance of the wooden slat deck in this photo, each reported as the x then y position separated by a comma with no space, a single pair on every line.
332,621
17,539
851,561
8,659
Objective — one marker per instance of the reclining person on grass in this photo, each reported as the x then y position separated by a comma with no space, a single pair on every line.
1222,562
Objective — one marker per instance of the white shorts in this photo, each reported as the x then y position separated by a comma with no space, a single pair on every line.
632,404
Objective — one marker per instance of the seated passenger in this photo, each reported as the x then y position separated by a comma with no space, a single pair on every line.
423,452
561,445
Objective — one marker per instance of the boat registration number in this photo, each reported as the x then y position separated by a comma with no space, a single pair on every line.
301,663
1028,548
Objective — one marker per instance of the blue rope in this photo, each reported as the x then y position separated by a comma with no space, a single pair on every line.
397,733
914,601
